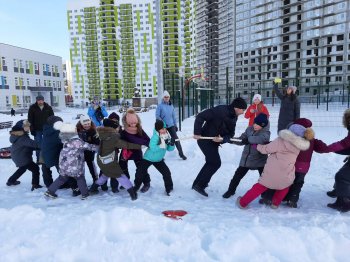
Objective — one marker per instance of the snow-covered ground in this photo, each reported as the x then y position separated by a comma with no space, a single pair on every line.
111,227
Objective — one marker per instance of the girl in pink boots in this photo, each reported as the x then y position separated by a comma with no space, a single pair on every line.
279,171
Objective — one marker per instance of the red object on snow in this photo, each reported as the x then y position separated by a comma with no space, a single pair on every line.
174,214
5,152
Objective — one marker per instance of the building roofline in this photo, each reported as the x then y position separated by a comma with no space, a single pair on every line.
30,50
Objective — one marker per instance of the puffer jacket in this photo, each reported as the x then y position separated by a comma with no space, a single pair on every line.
22,148
72,157
251,157
279,171
51,146
110,141
154,152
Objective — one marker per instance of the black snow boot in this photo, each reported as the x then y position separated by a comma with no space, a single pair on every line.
36,187
228,194
76,192
93,189
132,193
145,187
332,193
200,190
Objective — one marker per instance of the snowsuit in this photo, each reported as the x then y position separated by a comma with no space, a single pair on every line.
21,153
154,156
279,170
289,110
71,164
251,158
220,120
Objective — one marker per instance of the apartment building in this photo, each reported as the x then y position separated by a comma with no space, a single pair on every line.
304,42
114,50
24,74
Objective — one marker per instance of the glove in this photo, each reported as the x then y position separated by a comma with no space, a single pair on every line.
176,129
254,146
277,80
226,139
172,142
252,111
245,141
346,159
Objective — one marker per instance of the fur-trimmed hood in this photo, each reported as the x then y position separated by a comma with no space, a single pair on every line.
299,142
346,119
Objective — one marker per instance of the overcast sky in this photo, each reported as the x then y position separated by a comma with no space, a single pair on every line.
35,24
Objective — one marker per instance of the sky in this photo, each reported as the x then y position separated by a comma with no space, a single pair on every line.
35,24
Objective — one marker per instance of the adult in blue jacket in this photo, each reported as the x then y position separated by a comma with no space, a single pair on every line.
97,112
218,122
165,112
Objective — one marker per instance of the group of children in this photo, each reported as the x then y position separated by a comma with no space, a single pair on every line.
67,147
281,163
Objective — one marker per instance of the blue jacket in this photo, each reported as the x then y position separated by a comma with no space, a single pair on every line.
91,114
22,148
51,146
154,153
166,112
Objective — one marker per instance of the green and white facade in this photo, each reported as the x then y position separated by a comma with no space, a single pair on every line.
24,74
113,49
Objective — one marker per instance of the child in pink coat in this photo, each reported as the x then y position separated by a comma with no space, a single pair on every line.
279,171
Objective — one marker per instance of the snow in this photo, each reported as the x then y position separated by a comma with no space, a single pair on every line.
111,227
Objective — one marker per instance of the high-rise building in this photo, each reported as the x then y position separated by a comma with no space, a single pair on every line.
113,50
306,43
25,74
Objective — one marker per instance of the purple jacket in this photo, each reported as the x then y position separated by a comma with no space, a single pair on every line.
338,146
302,163
136,139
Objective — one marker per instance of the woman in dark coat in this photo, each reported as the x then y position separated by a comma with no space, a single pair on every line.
290,106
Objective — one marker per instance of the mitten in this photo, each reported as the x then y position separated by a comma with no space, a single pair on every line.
245,141
172,141
226,139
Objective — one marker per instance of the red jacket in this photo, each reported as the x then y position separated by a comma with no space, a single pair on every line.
259,108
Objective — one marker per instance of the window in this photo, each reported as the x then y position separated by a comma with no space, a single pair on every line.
308,71
339,48
339,58
340,37
338,68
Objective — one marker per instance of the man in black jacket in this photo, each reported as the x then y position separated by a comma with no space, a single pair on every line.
218,122
37,117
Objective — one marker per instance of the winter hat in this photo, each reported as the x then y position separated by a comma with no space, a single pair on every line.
261,120
114,116
53,119
22,125
166,93
39,97
257,97
65,127
84,120
240,103
110,123
298,130
304,122
294,88
158,125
